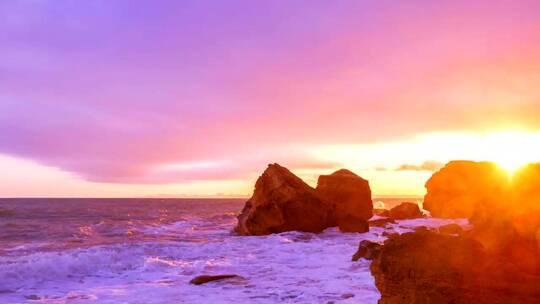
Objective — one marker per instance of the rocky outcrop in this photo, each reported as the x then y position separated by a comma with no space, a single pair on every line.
283,202
504,210
461,188
349,195
497,261
405,210
427,267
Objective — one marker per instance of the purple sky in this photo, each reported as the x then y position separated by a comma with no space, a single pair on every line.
112,90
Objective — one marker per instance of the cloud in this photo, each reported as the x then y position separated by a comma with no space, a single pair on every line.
425,166
110,95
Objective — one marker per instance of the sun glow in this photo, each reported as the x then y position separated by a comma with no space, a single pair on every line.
512,150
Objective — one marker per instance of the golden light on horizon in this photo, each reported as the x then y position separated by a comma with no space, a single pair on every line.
513,150
510,148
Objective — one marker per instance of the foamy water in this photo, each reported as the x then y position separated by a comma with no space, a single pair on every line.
155,260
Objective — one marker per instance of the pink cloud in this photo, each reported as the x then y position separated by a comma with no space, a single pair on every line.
111,96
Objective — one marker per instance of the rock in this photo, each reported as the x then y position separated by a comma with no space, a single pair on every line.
405,210
504,210
347,295
428,267
353,224
6,212
451,229
283,202
381,212
199,280
367,249
460,187
381,222
349,194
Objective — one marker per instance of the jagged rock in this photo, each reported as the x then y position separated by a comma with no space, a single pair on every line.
283,202
461,187
349,194
367,249
428,267
405,210
199,280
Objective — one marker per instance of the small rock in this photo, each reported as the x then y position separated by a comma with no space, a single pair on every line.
347,295
209,278
367,249
405,210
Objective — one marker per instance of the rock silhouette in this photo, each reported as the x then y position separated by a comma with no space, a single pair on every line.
283,202
498,261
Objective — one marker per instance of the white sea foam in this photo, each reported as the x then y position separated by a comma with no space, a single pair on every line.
290,267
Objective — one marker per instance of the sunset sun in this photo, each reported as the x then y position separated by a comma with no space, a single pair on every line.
512,150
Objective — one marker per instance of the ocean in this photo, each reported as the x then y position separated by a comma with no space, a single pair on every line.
147,251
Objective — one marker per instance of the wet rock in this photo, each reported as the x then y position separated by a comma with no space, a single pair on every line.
347,295
353,224
199,280
381,222
349,194
428,267
283,202
405,210
367,249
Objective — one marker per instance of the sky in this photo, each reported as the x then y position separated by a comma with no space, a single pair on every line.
195,98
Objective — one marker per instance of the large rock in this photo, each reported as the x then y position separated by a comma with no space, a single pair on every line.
504,210
349,194
427,267
462,187
283,202
405,210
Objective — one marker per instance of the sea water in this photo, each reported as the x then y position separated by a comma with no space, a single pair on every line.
147,251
